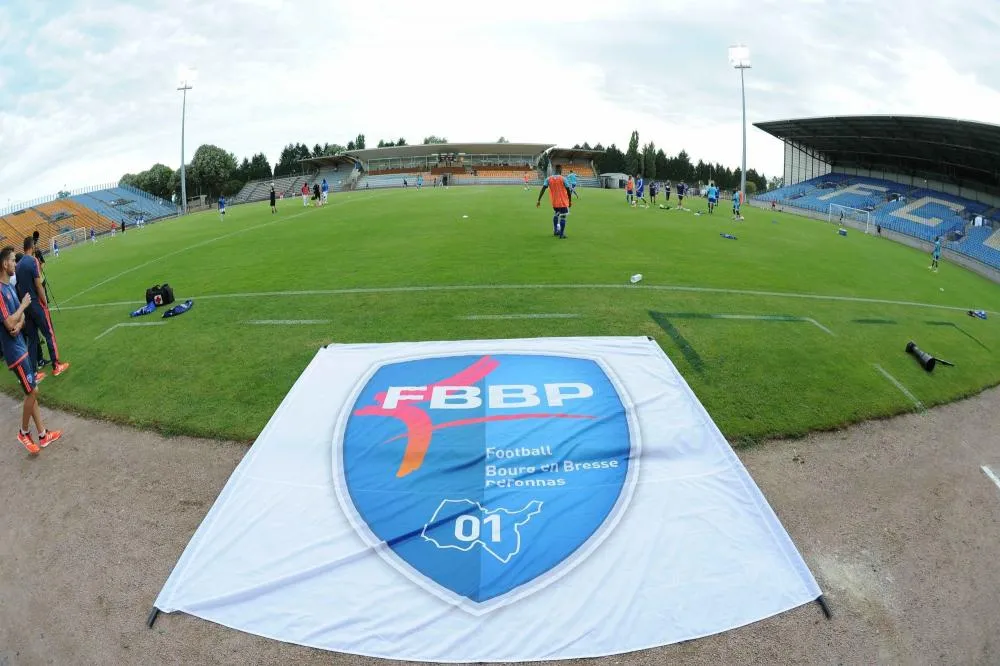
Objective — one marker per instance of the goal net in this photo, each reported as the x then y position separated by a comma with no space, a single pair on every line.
68,238
839,214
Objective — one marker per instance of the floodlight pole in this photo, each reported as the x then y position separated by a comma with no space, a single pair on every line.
743,169
741,61
184,202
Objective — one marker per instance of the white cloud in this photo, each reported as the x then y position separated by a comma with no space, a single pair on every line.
89,93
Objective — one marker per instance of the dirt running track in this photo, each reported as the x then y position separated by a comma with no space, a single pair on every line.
895,518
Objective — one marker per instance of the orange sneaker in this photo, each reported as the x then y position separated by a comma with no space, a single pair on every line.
49,437
28,442
59,368
39,376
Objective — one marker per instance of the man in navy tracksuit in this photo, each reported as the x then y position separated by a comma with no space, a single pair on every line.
36,317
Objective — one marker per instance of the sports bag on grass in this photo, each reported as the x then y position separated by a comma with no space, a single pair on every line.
160,294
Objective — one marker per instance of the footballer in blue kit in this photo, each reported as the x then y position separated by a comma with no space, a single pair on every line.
571,180
936,254
713,198
736,205
222,207
640,191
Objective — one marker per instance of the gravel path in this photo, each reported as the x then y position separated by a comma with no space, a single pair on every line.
895,518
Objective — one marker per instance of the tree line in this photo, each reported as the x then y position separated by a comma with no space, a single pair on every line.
214,171
653,163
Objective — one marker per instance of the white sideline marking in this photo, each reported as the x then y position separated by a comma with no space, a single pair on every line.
264,322
902,388
992,477
138,323
520,316
194,247
500,287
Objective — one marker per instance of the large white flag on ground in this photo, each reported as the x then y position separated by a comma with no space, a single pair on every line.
499,500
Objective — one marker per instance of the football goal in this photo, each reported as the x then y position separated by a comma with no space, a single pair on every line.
838,214
67,238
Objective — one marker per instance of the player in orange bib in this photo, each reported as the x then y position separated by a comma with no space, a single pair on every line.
561,203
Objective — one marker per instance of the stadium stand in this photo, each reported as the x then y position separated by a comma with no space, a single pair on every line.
260,190
918,176
380,180
65,214
50,219
919,212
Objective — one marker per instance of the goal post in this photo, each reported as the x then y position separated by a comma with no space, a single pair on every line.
838,214
67,238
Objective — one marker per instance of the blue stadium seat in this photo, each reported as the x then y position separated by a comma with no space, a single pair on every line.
884,203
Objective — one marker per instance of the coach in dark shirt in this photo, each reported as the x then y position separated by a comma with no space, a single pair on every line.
36,318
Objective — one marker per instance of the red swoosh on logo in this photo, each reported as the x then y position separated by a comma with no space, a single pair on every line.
419,427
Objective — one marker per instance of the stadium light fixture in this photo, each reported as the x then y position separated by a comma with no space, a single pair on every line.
739,57
185,76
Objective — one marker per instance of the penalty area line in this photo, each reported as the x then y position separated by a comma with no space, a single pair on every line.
772,318
905,391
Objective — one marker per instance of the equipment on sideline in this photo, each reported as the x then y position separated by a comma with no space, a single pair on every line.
179,309
160,294
838,213
927,362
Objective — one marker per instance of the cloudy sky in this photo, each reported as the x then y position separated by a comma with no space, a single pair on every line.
88,87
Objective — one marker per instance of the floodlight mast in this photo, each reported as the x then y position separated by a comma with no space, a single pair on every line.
739,58
186,76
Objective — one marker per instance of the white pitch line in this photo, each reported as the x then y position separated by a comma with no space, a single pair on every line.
819,325
520,316
902,388
774,318
756,317
284,322
504,287
191,247
989,473
138,323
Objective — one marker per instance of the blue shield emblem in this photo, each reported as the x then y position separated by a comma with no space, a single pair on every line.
484,478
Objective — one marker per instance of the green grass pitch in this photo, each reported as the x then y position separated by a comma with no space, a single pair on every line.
764,364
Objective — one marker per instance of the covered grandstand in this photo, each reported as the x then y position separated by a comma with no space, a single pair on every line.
919,177
438,163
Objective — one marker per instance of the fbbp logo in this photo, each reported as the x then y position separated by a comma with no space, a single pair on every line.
487,476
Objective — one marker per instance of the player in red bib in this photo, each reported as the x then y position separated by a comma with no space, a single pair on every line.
559,195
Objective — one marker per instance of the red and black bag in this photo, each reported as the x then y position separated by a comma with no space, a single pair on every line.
160,294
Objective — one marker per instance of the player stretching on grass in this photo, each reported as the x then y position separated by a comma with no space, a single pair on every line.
559,195
15,352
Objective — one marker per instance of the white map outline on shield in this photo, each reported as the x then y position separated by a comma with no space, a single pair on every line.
482,543
539,582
